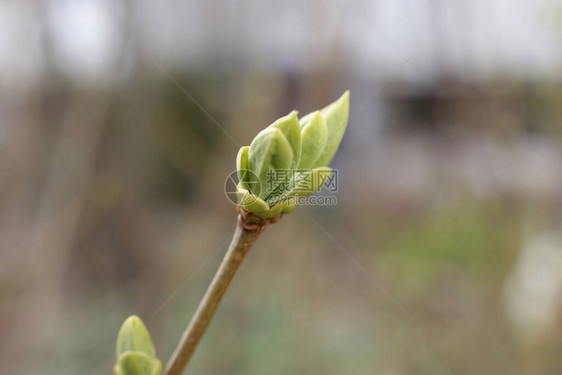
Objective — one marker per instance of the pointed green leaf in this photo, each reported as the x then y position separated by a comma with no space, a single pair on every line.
242,166
133,336
336,116
269,151
314,134
289,126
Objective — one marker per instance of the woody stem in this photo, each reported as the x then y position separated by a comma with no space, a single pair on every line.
243,239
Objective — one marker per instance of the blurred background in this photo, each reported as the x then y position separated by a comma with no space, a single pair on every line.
120,121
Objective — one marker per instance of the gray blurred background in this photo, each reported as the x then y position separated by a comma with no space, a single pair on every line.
120,120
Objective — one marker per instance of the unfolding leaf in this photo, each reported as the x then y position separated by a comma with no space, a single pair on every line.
336,116
314,134
242,166
269,152
289,126
249,201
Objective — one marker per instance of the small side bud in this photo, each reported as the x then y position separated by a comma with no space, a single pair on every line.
134,363
135,351
134,337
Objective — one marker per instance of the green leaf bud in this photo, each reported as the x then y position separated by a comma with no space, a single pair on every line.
134,337
136,363
289,159
135,351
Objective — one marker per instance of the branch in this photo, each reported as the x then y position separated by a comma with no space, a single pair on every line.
243,239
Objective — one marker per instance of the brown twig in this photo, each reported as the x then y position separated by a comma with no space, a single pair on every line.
244,237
